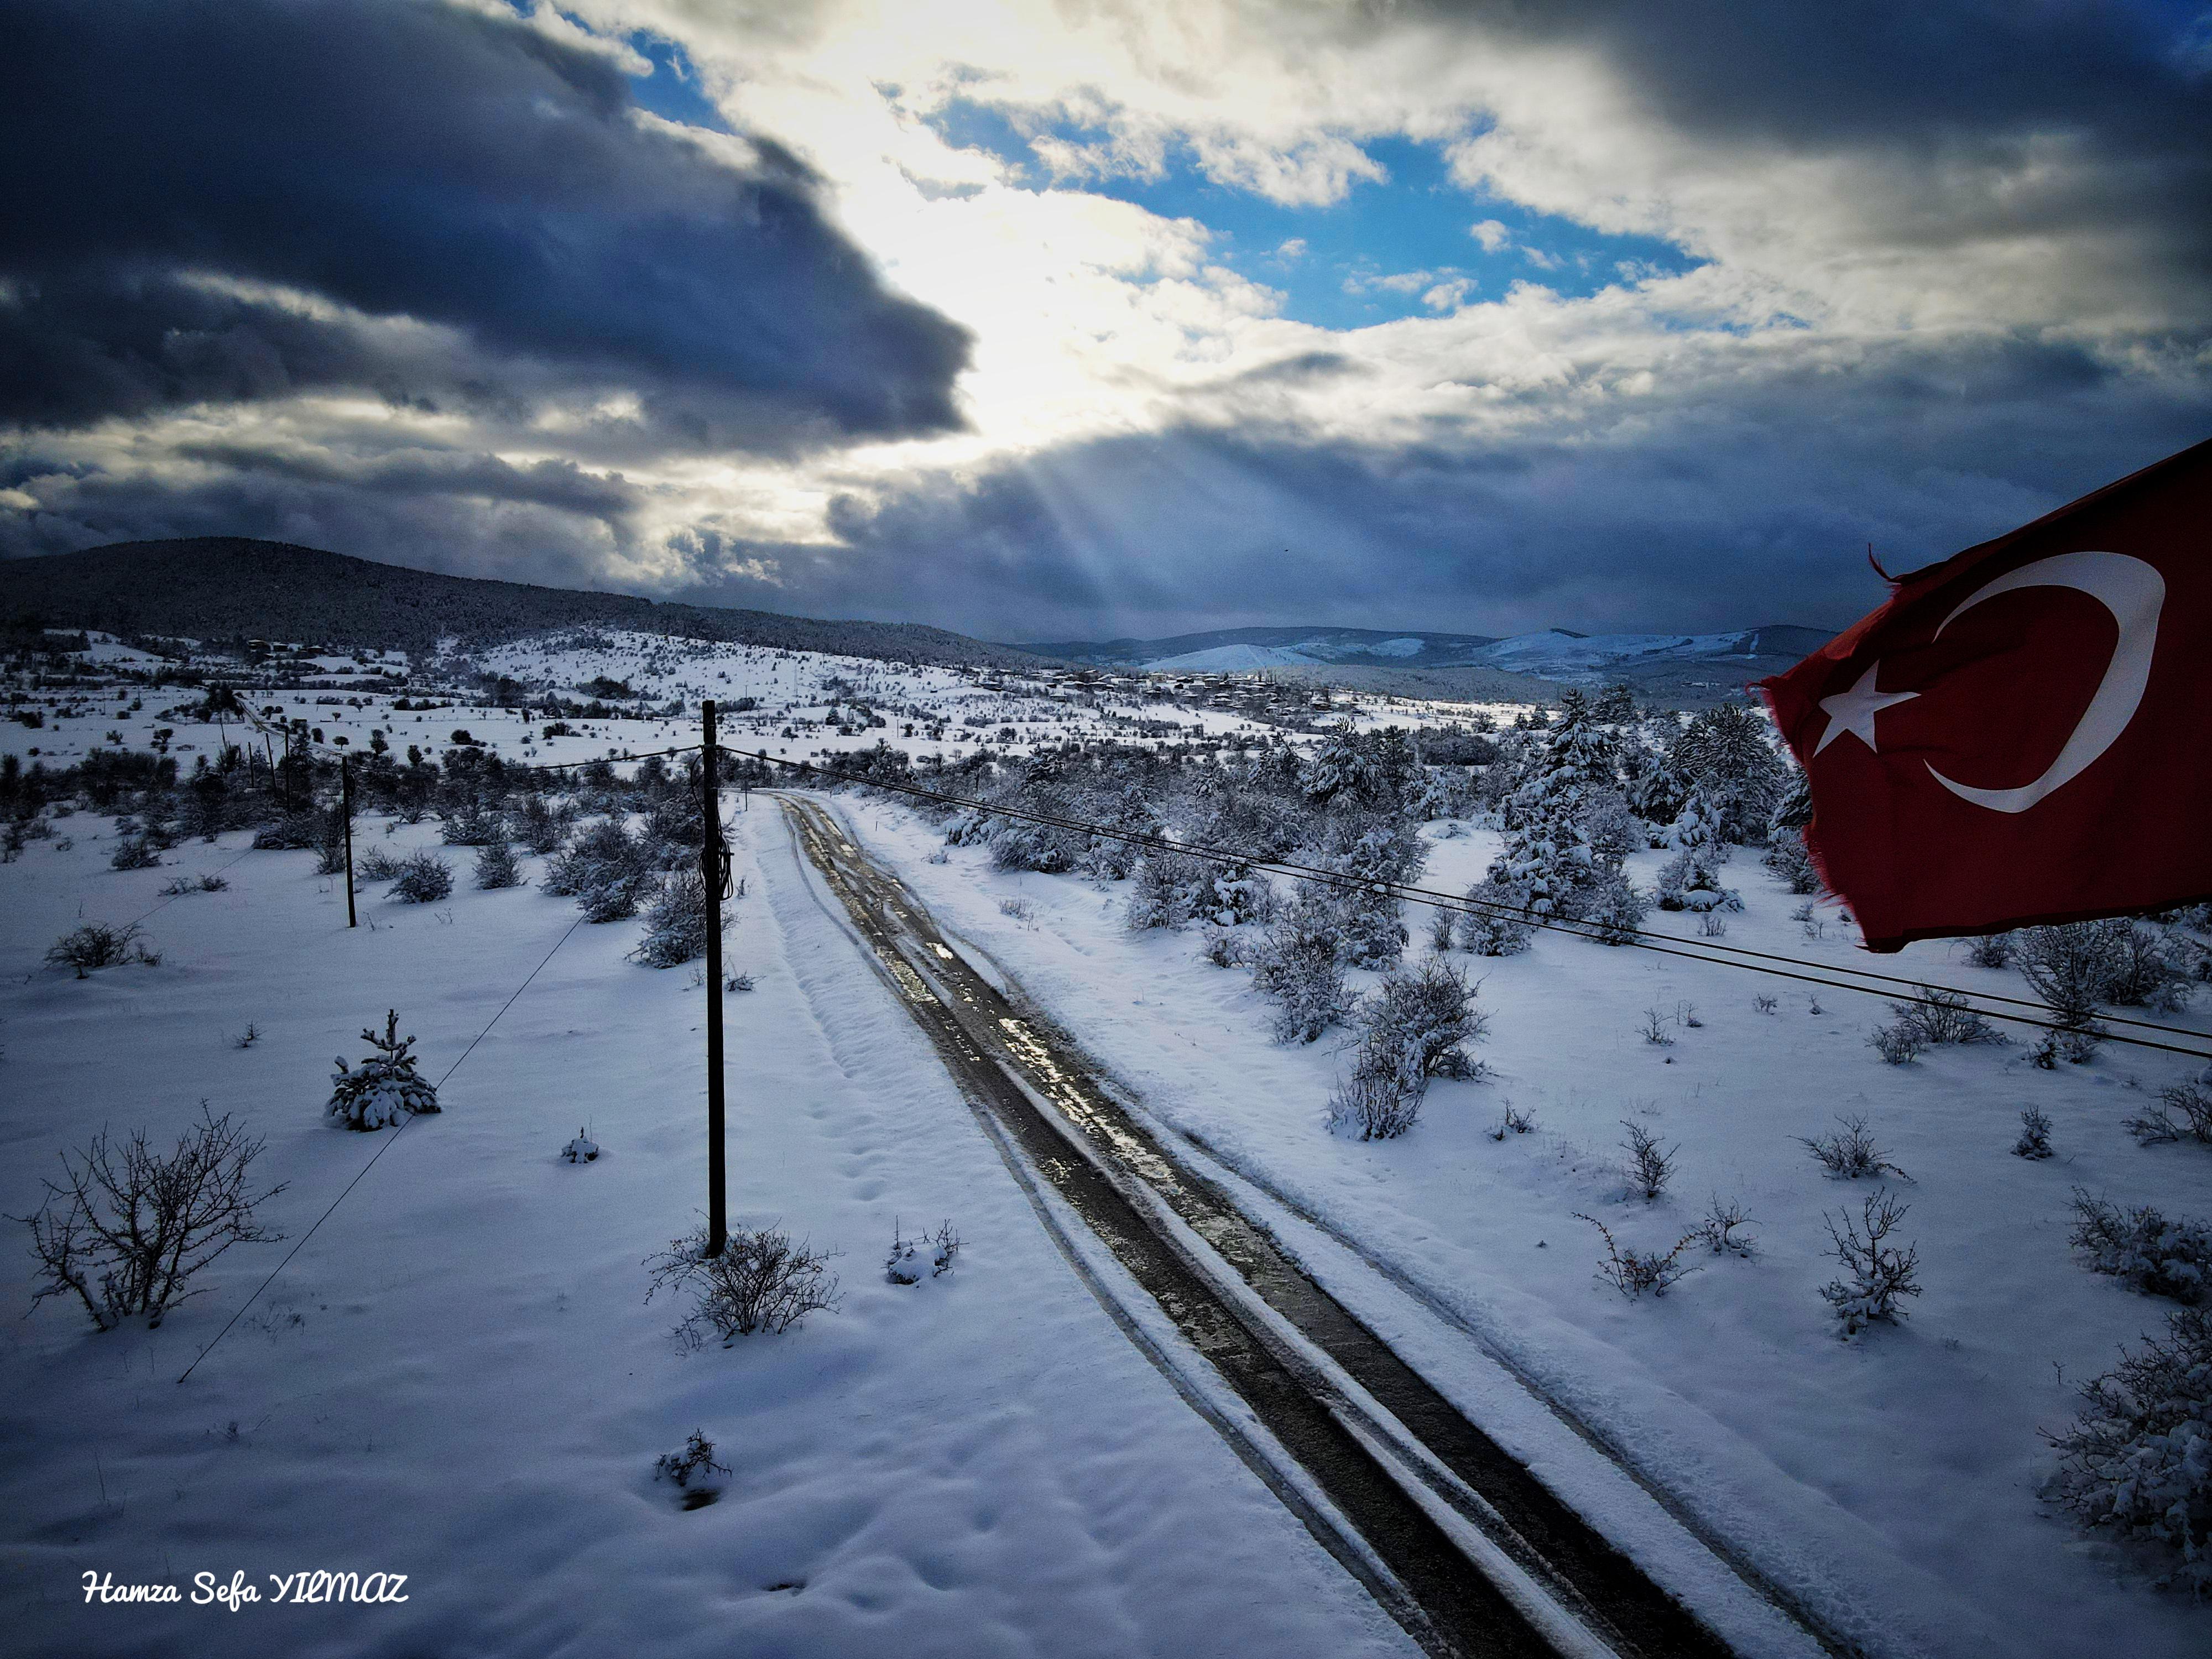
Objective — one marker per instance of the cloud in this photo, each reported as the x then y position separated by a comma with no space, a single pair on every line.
1945,271
224,201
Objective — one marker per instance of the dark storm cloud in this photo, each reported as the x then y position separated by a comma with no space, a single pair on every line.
408,160
1951,87
1740,500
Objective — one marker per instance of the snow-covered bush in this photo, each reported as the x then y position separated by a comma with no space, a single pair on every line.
2142,1248
1613,910
383,1088
1417,1023
473,824
761,1281
1297,963
1493,925
1632,1271
1880,1273
1787,858
695,1462
1850,1153
136,853
2157,1124
2148,972
376,864
608,871
925,1252
677,926
1691,881
497,867
2034,1142
1648,1169
127,1230
1166,890
96,946
1990,950
582,1150
2138,1458
1375,1105
423,879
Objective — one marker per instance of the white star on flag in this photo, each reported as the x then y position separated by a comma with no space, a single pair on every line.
1853,711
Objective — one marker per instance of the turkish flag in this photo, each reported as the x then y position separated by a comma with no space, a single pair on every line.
2019,734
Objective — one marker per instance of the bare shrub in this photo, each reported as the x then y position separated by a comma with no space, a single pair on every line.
1633,1272
1881,1274
2142,1248
1718,1231
1513,1123
1765,1005
1419,1022
2135,1459
1851,1152
1898,1042
423,879
1941,1017
126,1228
761,1281
1019,909
383,1088
2034,1140
2073,969
1648,1169
2157,1125
96,944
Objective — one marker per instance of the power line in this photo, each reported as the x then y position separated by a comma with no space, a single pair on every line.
1638,939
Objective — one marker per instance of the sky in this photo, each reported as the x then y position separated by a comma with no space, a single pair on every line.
1107,318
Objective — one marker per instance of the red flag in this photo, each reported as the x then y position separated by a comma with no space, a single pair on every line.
2021,734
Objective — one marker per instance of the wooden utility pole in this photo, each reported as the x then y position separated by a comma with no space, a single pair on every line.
713,869
345,809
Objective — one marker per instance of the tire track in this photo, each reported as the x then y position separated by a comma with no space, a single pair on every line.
1403,1467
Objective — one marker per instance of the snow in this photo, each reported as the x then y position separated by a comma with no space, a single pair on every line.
457,1379
1890,1482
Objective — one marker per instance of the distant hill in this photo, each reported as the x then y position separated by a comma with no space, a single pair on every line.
1674,668
223,587
1236,649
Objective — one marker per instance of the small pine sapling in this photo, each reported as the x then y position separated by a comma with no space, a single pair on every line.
385,1088
2034,1140
582,1150
423,879
1654,1030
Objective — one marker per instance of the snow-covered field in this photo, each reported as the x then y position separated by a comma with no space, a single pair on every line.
457,1378
1891,1480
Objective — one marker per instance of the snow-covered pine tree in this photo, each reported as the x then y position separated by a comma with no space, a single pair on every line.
1729,751
675,927
383,1088
1690,880
1548,862
1296,964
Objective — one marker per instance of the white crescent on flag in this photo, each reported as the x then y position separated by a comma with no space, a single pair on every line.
2133,592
